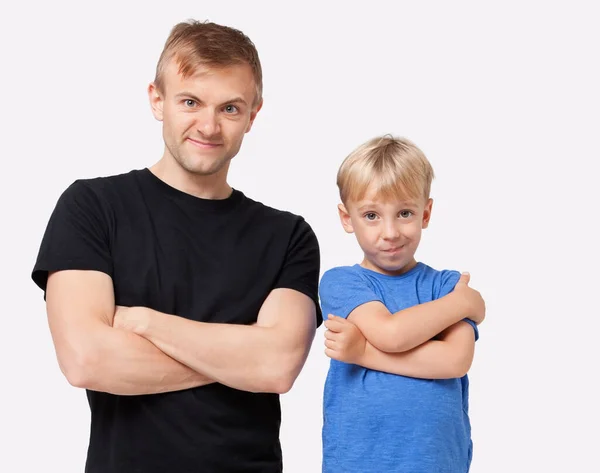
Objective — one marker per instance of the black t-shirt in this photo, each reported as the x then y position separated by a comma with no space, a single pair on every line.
206,260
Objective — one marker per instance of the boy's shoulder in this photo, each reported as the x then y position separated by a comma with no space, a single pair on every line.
441,280
346,278
341,272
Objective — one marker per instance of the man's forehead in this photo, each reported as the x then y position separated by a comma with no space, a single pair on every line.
237,76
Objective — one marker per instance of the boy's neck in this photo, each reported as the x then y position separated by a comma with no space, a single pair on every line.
367,264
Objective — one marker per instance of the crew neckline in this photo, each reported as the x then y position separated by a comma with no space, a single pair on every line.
414,269
214,205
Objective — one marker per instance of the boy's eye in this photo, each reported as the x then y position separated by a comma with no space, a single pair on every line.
231,109
406,213
370,216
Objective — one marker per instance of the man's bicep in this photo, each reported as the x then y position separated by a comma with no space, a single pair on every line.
79,305
289,311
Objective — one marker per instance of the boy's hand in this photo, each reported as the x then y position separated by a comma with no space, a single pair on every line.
475,305
344,341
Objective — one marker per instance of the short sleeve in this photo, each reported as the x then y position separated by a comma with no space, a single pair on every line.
343,289
76,236
447,282
302,265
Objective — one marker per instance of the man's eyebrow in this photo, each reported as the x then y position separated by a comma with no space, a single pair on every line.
238,100
188,95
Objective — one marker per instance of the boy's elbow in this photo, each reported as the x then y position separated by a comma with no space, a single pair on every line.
390,343
461,366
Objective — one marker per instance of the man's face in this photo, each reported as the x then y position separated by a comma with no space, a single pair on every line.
205,116
388,231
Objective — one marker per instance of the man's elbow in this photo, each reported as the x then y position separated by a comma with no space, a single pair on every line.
279,377
283,384
80,368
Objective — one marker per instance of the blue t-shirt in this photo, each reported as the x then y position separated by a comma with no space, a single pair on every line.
376,422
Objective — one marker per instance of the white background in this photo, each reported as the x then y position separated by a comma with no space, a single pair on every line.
503,98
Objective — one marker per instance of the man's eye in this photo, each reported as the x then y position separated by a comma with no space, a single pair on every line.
231,109
189,102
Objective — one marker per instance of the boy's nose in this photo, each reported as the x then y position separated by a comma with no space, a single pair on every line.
391,232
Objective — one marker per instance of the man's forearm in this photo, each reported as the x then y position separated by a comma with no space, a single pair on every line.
244,357
127,364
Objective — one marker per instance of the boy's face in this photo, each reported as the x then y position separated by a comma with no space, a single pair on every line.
205,116
388,231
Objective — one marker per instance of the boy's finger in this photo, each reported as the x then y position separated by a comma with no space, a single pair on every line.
334,325
465,277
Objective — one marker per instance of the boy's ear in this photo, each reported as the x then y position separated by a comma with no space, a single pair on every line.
427,213
345,218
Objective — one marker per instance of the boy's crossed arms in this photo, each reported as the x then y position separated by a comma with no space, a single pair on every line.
429,340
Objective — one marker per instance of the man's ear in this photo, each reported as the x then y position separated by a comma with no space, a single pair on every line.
253,114
427,213
156,101
345,218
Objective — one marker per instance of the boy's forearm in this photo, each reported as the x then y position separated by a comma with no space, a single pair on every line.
431,360
418,324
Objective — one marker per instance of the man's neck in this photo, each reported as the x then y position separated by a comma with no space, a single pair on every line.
214,186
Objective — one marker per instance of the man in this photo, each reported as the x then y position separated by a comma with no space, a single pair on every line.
181,305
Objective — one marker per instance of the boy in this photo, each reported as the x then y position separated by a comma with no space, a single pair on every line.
396,395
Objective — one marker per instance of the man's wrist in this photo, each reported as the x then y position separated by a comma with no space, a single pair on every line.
141,319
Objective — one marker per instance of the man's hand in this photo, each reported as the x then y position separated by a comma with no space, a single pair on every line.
344,341
133,319
475,303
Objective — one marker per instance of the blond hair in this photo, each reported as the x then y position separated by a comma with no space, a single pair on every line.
396,167
193,44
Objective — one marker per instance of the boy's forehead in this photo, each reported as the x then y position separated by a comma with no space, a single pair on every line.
374,196
374,201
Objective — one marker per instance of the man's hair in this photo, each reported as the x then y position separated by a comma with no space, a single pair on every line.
396,166
193,44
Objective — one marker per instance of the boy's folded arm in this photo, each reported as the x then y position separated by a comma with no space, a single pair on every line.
449,356
410,327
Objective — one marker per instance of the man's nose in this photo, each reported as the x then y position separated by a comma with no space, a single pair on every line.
208,124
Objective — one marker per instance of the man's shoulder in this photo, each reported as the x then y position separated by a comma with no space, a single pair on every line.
277,218
108,182
103,190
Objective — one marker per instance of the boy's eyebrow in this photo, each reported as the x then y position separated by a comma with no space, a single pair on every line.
370,204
